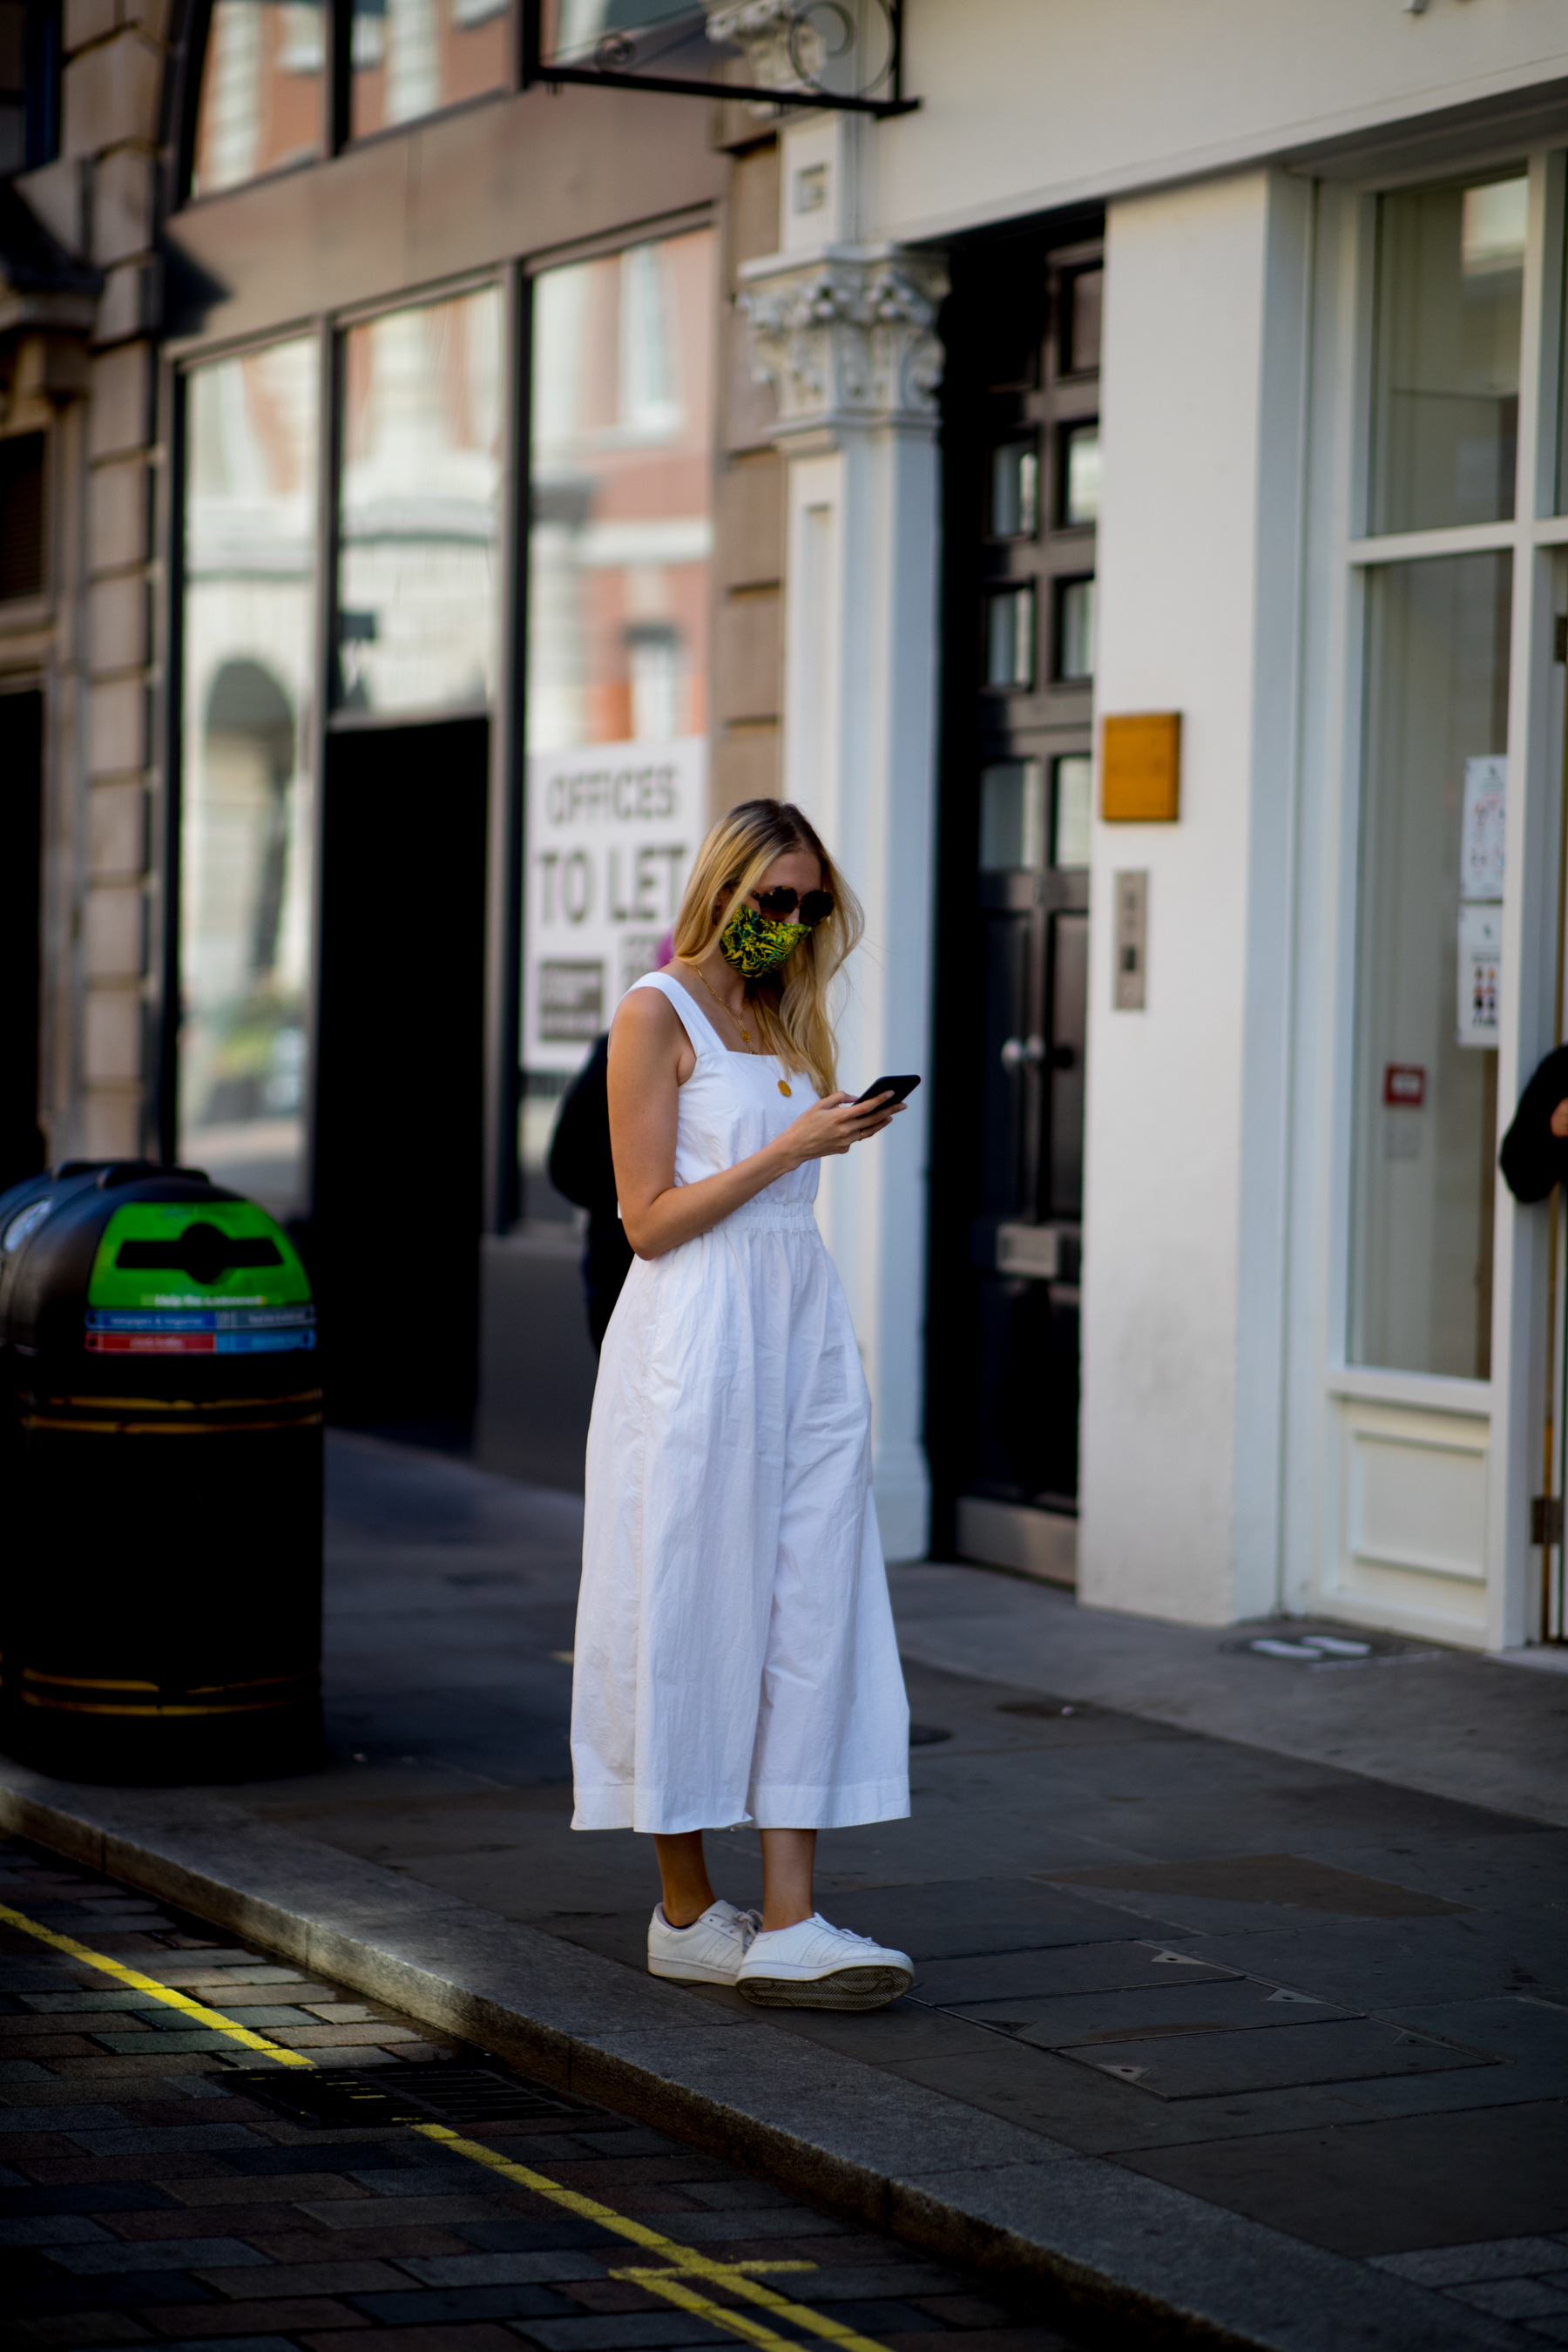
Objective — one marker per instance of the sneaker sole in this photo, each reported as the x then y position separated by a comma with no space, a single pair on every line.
844,1989
689,1972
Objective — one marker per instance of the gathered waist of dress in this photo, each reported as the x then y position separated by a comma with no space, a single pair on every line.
764,1215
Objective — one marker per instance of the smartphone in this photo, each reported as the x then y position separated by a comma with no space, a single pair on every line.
897,1087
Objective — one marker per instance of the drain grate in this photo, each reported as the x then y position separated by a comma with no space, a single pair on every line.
438,2092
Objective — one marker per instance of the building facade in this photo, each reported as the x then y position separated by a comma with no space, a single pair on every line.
1120,494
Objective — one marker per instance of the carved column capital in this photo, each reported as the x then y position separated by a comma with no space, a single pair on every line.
847,338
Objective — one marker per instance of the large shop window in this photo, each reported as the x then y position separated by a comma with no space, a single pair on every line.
420,508
263,93
266,71
619,540
247,822
1429,969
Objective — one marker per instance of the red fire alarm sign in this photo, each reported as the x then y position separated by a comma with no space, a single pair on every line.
1404,1085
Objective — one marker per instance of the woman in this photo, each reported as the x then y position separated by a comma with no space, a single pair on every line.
735,1656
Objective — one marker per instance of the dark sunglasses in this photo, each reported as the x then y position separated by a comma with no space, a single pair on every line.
780,904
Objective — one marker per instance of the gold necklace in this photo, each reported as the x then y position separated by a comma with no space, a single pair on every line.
718,1001
784,1086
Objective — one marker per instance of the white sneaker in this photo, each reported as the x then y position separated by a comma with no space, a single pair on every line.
709,1951
814,1966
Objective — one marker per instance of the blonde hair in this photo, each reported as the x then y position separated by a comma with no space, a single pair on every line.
793,1004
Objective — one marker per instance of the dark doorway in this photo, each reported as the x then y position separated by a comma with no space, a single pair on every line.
21,1146
1021,447
395,1235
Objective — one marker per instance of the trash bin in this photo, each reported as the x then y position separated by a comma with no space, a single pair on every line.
160,1480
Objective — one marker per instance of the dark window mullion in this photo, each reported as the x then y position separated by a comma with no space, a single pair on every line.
340,76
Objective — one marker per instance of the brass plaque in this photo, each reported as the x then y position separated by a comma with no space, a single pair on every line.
1141,768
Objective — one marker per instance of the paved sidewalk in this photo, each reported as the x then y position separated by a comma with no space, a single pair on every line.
1332,2003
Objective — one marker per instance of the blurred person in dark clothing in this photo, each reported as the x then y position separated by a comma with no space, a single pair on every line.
1535,1154
579,1166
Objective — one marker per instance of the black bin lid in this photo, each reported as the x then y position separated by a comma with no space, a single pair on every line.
126,1258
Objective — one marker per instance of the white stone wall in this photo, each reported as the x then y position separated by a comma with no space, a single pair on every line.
1031,104
1184,1219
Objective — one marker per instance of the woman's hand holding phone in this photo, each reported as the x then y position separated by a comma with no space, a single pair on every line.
828,1130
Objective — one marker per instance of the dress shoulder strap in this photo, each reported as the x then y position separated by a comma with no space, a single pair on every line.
705,1038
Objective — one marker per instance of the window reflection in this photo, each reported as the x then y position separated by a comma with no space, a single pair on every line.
619,539
1012,815
621,527
246,794
416,572
1010,637
1450,292
1081,309
410,57
1075,630
1428,971
1072,830
263,91
1014,496
1081,476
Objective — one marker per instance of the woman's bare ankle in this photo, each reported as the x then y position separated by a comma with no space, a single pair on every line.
784,1914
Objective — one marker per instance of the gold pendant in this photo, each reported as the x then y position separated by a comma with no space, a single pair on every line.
785,1087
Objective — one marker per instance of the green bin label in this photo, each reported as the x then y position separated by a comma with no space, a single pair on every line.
168,1255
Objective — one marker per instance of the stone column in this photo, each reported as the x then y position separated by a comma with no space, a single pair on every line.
99,202
846,339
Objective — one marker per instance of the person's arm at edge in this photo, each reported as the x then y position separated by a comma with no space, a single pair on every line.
1532,1159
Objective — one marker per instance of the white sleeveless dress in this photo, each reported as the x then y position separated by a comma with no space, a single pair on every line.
735,1653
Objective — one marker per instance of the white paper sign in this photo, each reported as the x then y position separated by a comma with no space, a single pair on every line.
1480,974
612,832
1481,835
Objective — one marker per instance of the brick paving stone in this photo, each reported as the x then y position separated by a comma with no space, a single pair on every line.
599,2293
629,2172
418,2307
303,2278
1026,2338
329,2037
625,2332
92,2197
969,2311
483,2338
289,2317
217,2189
390,2242
175,2253
464,2268
90,2327
350,2212
51,2230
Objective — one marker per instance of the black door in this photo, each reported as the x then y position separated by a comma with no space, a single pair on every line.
1022,472
22,1148
395,1235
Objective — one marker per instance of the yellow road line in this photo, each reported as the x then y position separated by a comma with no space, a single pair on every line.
139,1983
686,2261
679,2263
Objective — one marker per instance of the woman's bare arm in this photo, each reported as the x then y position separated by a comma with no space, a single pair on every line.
651,1058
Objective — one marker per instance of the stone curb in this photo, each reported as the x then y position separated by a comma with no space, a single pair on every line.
1130,2260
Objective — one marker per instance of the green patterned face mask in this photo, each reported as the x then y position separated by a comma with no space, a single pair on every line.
756,946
